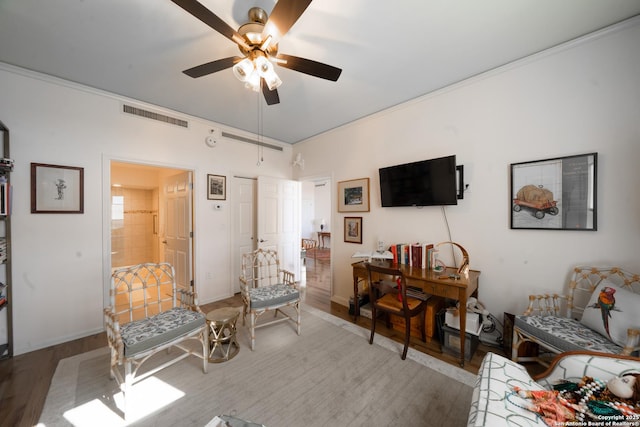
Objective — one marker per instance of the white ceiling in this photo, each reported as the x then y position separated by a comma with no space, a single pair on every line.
389,51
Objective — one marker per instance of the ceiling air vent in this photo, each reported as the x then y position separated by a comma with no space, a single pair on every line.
154,116
250,141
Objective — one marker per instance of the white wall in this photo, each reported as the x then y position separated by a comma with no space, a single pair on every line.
323,206
579,98
59,260
316,206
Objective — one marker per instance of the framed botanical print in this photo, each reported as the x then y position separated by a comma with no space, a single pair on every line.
353,195
216,187
353,229
57,189
555,194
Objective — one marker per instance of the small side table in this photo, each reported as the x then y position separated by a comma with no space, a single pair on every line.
321,237
223,344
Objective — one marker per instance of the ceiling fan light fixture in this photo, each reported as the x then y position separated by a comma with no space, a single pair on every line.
272,80
264,67
262,64
253,81
251,69
243,70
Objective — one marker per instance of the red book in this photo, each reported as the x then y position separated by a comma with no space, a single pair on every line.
394,252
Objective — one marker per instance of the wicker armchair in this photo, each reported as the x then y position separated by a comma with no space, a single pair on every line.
309,245
266,287
599,313
148,314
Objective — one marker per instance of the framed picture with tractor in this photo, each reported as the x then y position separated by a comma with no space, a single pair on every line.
556,194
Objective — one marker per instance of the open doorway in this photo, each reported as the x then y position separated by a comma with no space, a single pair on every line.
315,225
151,217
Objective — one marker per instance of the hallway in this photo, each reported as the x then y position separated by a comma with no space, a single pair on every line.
316,280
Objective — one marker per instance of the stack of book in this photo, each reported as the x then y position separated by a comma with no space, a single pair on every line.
421,255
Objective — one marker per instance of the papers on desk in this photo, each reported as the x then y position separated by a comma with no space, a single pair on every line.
373,255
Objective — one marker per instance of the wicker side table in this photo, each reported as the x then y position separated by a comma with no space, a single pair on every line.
223,344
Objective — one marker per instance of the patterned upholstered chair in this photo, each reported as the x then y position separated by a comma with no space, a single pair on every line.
149,314
266,287
599,313
494,402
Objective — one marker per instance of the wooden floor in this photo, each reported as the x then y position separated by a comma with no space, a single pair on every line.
25,379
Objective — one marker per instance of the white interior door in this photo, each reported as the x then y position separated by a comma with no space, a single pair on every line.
278,220
177,240
244,217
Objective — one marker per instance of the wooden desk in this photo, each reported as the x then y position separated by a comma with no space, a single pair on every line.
430,281
321,236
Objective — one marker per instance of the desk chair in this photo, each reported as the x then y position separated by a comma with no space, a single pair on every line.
389,295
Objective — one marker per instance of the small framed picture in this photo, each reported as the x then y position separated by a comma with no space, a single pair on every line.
353,195
216,187
57,189
353,229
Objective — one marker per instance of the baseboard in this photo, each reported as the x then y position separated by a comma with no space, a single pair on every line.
340,300
59,340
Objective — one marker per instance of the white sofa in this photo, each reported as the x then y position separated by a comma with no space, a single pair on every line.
493,405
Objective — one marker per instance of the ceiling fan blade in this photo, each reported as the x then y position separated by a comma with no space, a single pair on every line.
307,66
284,14
196,9
212,67
271,96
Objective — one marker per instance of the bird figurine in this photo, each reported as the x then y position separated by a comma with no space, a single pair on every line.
606,303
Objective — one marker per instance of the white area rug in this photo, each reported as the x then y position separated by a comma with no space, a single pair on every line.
328,376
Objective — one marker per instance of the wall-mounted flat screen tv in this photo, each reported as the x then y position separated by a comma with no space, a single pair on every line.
425,183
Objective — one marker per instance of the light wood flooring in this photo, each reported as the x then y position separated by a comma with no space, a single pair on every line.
25,379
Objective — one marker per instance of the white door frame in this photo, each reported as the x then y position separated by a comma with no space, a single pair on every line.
333,197
106,214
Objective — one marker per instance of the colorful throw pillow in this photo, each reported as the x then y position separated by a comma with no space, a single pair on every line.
611,311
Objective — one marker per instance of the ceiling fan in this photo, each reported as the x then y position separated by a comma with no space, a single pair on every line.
258,42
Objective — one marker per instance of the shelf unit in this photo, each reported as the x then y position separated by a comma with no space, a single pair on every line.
6,309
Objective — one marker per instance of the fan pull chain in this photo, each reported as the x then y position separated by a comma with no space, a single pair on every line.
260,127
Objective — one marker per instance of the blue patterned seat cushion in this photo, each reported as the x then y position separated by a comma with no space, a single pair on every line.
565,334
142,335
266,296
